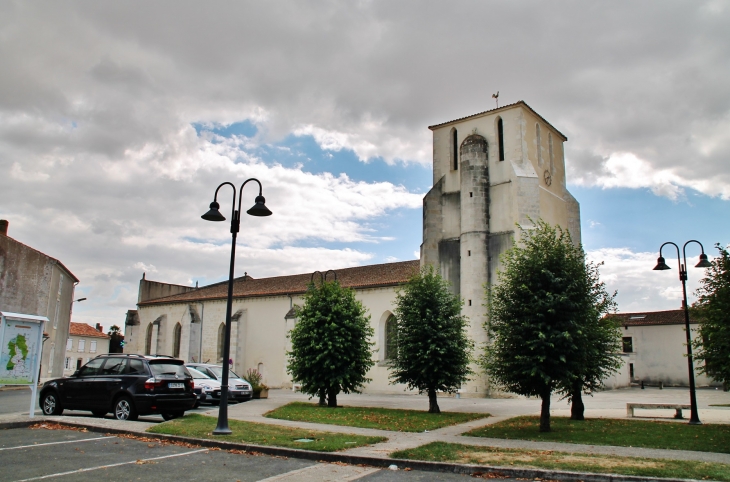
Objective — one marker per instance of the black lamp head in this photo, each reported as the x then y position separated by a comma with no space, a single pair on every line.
259,209
660,264
704,263
213,214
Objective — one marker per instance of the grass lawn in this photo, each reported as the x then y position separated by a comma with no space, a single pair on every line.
369,417
623,433
469,454
720,405
200,426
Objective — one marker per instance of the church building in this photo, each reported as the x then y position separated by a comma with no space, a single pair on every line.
491,171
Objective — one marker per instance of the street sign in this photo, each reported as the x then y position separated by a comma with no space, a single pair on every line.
21,346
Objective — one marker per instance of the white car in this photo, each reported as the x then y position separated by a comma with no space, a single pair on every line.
239,389
207,389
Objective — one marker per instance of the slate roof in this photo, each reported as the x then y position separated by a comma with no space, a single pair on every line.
504,107
647,318
82,329
373,276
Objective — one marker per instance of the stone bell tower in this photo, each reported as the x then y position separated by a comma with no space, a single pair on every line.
491,171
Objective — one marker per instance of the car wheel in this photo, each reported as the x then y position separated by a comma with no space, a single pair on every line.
124,409
215,403
172,415
99,413
50,404
197,404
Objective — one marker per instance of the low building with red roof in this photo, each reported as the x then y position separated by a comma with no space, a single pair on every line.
84,343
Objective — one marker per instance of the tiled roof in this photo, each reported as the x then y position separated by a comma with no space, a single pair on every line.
82,329
389,274
670,317
504,107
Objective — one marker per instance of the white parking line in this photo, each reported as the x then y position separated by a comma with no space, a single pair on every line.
323,473
55,443
111,465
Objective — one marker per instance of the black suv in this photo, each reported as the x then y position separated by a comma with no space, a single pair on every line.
126,385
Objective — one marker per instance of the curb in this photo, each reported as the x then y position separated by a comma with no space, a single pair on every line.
382,462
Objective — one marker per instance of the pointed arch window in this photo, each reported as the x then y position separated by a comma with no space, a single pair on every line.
454,150
550,152
221,341
391,338
539,144
176,335
148,340
500,138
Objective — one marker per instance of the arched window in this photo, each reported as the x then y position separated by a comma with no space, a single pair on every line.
454,150
539,144
550,151
148,340
391,338
176,334
221,340
500,138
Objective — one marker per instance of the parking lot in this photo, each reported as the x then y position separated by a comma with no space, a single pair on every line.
39,454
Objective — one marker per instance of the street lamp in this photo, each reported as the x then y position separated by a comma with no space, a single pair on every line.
704,263
259,209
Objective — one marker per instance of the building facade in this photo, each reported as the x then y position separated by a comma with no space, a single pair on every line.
191,325
655,347
491,172
36,284
84,343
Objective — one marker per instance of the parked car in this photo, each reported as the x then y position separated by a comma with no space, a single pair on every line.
238,388
126,385
207,389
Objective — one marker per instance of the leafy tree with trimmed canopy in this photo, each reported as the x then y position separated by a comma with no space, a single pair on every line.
547,332
331,348
712,310
433,350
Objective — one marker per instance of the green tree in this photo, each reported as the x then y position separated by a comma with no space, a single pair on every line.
713,312
433,350
115,343
331,348
599,336
547,332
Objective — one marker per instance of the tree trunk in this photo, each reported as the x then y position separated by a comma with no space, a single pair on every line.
433,406
332,397
577,408
545,412
322,397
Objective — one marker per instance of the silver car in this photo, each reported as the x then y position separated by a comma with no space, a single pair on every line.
238,389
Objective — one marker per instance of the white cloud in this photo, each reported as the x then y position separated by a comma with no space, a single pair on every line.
100,165
639,287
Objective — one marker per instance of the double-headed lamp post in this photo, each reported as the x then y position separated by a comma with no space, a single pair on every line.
259,209
704,263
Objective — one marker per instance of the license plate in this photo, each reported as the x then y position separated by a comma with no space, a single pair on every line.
176,385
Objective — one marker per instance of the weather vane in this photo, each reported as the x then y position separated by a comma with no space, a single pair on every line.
496,98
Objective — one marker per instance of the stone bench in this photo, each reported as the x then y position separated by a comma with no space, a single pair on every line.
677,408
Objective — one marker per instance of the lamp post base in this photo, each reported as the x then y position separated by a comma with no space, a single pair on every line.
222,431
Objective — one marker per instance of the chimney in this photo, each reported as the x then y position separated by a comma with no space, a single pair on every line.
4,227
99,328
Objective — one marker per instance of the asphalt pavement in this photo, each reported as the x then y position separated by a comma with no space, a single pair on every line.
34,454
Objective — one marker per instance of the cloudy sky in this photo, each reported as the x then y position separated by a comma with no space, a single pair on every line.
119,119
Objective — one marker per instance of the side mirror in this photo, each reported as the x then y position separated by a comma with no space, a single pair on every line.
75,374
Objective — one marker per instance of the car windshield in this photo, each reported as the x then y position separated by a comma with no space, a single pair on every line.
219,372
196,374
167,368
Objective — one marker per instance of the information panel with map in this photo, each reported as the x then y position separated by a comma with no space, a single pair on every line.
20,348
